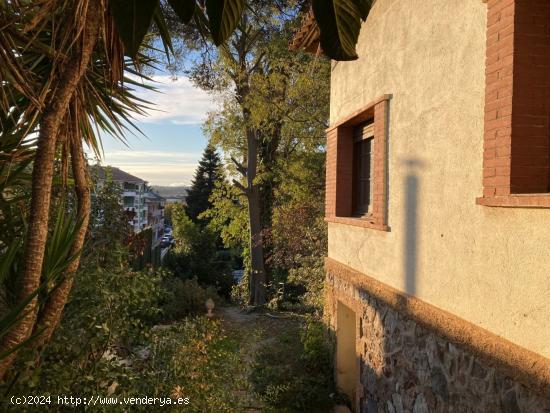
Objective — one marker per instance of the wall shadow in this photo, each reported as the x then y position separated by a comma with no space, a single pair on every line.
401,364
411,242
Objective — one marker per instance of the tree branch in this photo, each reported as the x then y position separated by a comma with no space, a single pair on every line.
243,188
257,62
240,167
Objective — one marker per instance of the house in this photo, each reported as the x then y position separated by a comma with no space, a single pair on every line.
155,215
144,207
438,207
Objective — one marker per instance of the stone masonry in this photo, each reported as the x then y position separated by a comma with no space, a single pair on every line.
404,367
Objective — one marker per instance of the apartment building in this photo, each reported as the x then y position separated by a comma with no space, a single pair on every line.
144,207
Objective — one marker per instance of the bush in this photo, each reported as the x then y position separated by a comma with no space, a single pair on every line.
106,344
185,297
195,254
239,292
299,290
305,355
298,249
193,359
108,316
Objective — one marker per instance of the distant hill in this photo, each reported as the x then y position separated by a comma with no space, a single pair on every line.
171,191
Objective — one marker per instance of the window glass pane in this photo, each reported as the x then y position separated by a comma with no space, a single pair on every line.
362,182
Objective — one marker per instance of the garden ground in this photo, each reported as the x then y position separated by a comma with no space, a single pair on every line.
275,352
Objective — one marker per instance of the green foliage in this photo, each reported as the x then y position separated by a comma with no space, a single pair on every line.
317,346
106,347
122,300
57,257
229,216
185,231
223,16
340,22
107,328
207,174
142,255
185,297
108,229
305,355
133,18
194,359
298,250
109,313
195,254
168,214
286,108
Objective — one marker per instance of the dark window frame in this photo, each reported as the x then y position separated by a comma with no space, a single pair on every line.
363,162
339,185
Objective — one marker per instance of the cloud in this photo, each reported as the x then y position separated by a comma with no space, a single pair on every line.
156,167
147,156
176,101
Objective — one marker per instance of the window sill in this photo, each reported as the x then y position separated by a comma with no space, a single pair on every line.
516,201
357,222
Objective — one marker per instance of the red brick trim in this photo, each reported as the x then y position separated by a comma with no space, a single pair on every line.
525,366
516,149
357,222
359,116
339,171
516,201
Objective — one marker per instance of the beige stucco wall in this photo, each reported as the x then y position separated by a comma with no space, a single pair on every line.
490,266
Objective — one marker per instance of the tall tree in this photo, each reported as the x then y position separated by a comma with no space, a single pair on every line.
209,171
80,29
233,69
274,103
50,63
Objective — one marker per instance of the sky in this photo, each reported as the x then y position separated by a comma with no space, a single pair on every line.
173,143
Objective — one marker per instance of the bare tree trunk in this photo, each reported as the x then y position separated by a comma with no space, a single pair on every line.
42,177
257,274
51,314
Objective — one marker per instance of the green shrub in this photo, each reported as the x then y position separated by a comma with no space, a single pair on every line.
185,297
108,316
196,254
305,356
107,345
239,292
317,347
193,359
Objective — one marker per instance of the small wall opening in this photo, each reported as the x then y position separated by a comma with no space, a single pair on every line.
346,358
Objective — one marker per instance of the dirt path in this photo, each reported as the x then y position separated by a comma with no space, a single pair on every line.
253,331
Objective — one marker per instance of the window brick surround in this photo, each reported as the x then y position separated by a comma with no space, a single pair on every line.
516,166
339,171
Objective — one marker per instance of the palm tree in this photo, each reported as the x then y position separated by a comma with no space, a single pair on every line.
62,74
66,59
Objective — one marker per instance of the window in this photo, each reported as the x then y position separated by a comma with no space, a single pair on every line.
363,140
516,156
356,170
130,186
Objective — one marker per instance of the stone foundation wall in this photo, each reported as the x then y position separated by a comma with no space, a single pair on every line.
406,367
